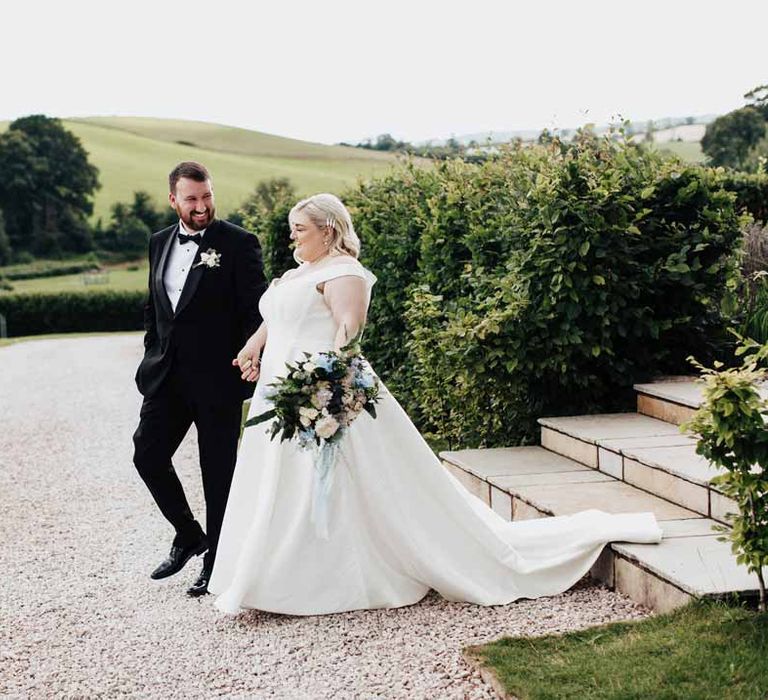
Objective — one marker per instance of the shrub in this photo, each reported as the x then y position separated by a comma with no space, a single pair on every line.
390,215
732,435
33,314
265,213
48,268
751,192
611,266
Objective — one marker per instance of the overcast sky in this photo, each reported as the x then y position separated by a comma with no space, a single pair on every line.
333,70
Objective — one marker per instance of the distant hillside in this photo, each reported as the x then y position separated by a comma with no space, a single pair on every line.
134,153
659,125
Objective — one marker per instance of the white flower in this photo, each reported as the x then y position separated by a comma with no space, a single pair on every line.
310,366
326,427
321,398
305,421
310,413
210,259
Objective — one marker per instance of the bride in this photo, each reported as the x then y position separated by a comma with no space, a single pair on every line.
399,524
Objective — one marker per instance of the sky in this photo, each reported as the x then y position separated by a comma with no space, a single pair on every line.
337,70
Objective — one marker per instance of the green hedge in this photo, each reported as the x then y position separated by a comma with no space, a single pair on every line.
545,281
390,215
47,268
35,314
751,191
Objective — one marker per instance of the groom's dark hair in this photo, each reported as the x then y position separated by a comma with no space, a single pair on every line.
189,169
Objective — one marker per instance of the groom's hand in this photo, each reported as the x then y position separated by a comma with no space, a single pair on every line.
249,367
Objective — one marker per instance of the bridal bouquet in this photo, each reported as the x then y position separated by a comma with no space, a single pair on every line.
315,403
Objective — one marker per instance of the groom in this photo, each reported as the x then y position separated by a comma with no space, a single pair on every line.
205,280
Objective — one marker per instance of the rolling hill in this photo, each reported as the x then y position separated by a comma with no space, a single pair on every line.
136,153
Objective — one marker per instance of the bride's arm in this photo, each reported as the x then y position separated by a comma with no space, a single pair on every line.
347,297
248,357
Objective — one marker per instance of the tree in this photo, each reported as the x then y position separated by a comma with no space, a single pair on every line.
757,158
131,225
46,187
729,139
265,213
650,130
143,208
545,137
5,244
131,235
758,98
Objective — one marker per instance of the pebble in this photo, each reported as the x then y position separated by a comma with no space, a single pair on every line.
80,617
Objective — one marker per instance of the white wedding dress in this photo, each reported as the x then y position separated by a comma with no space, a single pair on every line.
399,524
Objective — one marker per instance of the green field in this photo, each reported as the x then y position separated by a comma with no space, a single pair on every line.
689,151
138,153
118,278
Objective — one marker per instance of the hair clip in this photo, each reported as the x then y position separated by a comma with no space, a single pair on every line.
330,222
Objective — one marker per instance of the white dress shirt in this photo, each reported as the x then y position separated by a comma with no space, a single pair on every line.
180,261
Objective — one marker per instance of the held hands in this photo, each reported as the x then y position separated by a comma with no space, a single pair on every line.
249,363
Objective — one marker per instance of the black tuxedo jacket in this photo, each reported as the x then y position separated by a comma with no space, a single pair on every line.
216,313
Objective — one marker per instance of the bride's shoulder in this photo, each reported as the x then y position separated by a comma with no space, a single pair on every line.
344,259
345,265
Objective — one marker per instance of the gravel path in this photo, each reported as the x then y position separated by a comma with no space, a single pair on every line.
79,536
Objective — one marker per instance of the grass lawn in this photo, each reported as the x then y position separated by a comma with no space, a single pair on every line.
119,278
704,650
138,153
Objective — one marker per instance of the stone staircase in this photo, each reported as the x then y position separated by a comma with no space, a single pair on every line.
620,463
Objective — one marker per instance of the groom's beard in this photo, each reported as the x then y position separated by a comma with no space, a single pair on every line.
194,224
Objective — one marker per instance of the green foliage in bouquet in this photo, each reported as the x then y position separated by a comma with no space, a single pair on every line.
732,435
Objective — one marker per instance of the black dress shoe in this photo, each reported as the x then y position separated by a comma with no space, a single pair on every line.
200,587
178,557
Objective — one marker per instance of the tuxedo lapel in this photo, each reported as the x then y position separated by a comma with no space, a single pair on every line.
160,292
196,273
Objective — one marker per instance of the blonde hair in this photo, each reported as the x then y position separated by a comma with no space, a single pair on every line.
328,212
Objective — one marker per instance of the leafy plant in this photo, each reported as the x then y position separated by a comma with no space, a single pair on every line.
732,434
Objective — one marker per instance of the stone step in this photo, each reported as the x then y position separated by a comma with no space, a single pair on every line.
531,482
671,399
674,399
648,453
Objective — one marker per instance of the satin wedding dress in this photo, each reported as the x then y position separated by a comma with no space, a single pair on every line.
399,524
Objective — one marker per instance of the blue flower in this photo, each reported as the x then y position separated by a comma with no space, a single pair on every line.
364,380
306,438
324,361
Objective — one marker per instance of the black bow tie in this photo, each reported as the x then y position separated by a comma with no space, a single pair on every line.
184,238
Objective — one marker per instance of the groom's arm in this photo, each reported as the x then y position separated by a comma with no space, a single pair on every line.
150,325
250,284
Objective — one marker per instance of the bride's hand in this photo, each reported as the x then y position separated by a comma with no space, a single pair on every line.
249,363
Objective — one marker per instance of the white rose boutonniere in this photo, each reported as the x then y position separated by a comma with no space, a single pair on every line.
210,259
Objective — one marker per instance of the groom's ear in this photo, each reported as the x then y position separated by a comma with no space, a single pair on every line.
172,200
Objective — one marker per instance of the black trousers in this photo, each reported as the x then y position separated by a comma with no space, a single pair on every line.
165,419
